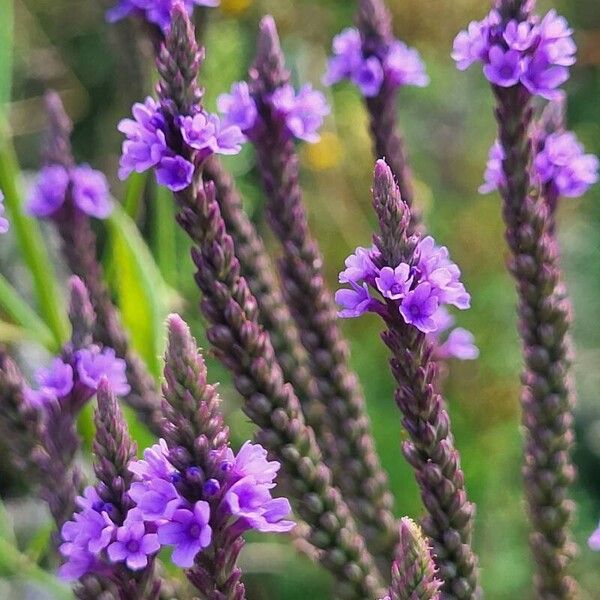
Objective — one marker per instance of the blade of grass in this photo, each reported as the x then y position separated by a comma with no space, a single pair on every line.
25,317
6,51
31,244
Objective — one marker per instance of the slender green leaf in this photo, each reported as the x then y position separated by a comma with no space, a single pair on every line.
6,527
14,563
6,50
164,234
31,244
25,317
141,291
134,189
40,543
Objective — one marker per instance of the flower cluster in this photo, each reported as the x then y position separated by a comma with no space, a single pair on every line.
174,508
87,188
98,535
3,220
536,52
157,12
394,64
419,292
302,112
151,141
82,374
594,540
560,163
183,504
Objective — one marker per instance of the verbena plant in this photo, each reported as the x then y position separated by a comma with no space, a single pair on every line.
276,328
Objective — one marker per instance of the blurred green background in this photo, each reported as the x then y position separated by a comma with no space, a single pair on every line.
100,70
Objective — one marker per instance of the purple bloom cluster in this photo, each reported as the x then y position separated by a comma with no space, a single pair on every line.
419,292
560,163
536,52
87,188
594,540
157,12
182,505
4,225
395,64
97,537
151,142
302,112
84,373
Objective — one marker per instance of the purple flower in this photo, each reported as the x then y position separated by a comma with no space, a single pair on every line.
174,172
303,112
49,192
204,132
504,67
188,531
347,56
90,529
93,364
404,66
494,173
419,307
157,12
79,560
251,502
360,266
542,78
533,53
146,144
54,382
471,45
238,107
90,192
394,283
459,344
562,163
252,460
155,464
368,76
396,65
156,499
4,224
520,36
594,540
355,301
133,545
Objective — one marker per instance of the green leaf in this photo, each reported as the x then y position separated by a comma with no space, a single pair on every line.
134,189
6,527
31,244
13,563
164,234
6,50
143,295
24,317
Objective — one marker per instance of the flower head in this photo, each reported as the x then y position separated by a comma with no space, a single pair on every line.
54,382
360,266
303,112
90,192
354,301
93,364
594,540
394,64
533,53
419,307
394,283
133,545
157,12
49,192
238,107
188,531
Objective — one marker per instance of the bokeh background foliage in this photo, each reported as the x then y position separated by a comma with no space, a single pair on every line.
100,70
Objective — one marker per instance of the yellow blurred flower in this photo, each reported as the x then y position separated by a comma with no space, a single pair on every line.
234,7
325,154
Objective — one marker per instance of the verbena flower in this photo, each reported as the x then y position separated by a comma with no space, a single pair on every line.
302,112
133,543
198,136
93,364
393,63
54,382
157,12
560,163
594,540
183,504
535,53
418,292
87,188
4,224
